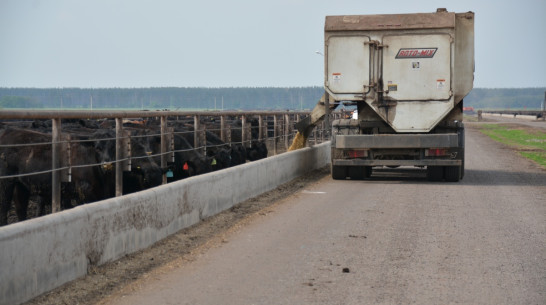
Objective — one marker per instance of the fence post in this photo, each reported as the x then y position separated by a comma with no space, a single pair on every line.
66,159
260,127
164,147
55,162
196,127
543,108
275,134
203,139
171,132
119,156
322,131
223,128
228,134
243,130
287,130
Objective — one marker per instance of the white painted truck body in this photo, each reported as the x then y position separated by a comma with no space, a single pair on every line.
425,63
407,74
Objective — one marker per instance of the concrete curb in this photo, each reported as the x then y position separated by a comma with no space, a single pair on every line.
43,253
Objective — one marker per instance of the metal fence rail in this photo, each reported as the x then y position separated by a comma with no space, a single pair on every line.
275,128
539,114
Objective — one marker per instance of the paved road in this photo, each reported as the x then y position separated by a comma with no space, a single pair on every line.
391,240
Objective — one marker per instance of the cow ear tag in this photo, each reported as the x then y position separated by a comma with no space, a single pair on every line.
170,174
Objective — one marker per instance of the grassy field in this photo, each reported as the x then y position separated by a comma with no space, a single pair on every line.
529,143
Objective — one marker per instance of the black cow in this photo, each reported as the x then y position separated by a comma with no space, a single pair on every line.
146,171
238,154
19,160
187,161
87,184
257,151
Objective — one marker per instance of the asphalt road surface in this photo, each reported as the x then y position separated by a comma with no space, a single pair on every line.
394,239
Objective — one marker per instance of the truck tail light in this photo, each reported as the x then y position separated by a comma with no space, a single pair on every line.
356,153
436,152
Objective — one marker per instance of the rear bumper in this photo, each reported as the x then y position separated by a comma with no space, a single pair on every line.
398,149
396,141
364,162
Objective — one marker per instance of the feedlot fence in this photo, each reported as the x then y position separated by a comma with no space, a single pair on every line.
76,157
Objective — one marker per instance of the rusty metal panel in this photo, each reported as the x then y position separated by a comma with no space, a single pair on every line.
389,22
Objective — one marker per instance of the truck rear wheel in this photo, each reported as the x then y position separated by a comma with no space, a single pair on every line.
339,172
462,169
435,173
452,173
367,171
356,172
359,172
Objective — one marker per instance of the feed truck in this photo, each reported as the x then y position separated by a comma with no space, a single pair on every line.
407,75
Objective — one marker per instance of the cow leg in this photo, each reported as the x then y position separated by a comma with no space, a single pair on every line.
6,194
43,202
20,198
67,194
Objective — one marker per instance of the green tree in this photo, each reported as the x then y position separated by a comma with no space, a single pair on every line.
19,102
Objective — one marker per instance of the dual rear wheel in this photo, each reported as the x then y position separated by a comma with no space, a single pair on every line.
353,172
449,173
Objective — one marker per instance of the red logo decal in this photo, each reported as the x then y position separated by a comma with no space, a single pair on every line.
416,53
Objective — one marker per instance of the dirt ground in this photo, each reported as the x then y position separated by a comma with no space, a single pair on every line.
102,281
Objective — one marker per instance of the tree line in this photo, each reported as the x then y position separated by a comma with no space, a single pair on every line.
506,98
162,98
237,98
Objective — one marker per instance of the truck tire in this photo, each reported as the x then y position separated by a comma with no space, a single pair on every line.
367,171
339,172
462,168
356,172
435,173
452,173
359,172
461,144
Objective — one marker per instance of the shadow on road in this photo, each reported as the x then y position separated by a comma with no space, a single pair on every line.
500,177
472,177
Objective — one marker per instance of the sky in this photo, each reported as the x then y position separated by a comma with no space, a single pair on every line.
236,43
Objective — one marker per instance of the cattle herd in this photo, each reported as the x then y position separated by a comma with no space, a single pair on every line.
26,159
